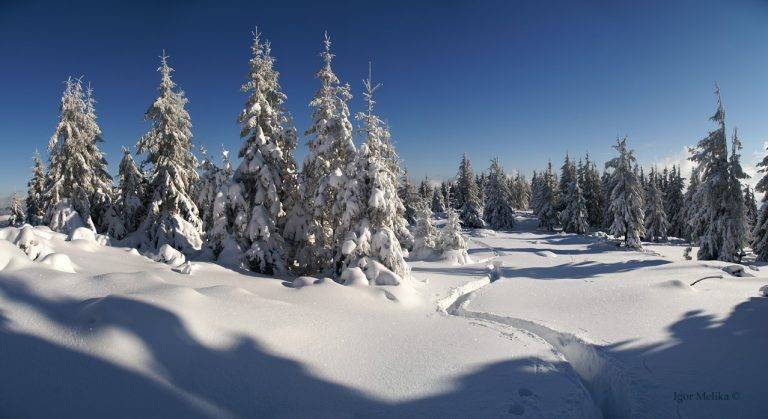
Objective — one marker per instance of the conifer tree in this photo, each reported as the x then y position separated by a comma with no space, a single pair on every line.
171,216
370,192
409,195
131,193
674,203
736,228
626,199
711,155
35,190
574,215
77,181
498,211
424,234
18,213
331,150
265,129
545,200
466,186
751,204
656,224
593,195
567,175
451,241
438,201
694,224
760,232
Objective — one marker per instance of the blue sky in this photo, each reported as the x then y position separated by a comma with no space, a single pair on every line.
526,81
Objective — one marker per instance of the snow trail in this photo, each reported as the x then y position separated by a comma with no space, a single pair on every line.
616,390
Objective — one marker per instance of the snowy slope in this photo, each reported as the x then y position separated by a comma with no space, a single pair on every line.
126,336
648,344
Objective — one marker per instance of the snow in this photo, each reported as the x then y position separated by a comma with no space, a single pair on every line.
596,331
82,233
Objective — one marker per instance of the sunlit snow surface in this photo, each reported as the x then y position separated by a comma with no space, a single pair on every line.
572,327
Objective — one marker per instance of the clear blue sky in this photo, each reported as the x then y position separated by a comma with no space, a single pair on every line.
527,81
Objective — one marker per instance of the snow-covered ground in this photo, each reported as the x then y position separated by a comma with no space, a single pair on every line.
572,327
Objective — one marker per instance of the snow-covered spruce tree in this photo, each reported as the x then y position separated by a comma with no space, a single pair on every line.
535,191
426,191
674,203
77,186
172,216
712,194
760,232
656,224
751,204
35,191
471,213
567,175
737,226
694,225
331,150
205,189
265,129
520,191
438,201
425,233
370,192
18,213
409,195
480,180
574,216
593,194
498,211
103,212
131,193
451,242
545,200
626,200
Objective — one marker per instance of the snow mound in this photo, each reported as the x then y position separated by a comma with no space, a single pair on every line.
547,254
82,233
59,262
303,281
185,268
134,251
457,257
354,277
224,291
11,257
170,256
378,274
736,270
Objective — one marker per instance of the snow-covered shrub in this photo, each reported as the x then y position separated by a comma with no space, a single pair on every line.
169,255
64,218
424,234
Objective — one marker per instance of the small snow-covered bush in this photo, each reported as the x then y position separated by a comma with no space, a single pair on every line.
354,277
170,256
452,242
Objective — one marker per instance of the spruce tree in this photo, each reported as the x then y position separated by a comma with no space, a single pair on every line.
674,203
656,223
466,185
172,216
751,204
35,190
18,213
593,193
737,226
626,199
265,129
372,205
438,201
131,193
574,215
712,194
694,224
760,232
567,175
77,181
409,195
330,152
546,200
498,211
451,241
425,233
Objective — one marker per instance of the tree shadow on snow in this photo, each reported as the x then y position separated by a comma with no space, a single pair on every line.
41,378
